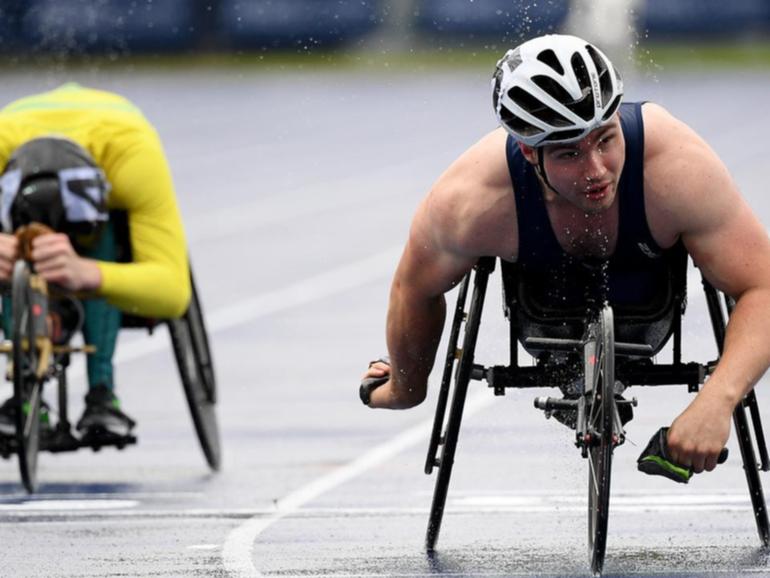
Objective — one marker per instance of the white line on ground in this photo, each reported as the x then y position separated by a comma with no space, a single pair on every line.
69,505
508,574
236,552
285,205
309,290
115,508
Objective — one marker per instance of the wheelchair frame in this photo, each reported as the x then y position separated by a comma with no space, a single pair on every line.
632,371
36,360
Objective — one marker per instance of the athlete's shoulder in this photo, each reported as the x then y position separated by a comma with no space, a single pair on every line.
662,130
474,197
72,96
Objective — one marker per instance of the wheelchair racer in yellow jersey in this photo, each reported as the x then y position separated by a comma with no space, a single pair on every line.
71,156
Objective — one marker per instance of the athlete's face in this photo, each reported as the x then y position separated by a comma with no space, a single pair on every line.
586,173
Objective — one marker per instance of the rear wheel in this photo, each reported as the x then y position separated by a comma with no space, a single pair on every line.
27,387
193,357
600,421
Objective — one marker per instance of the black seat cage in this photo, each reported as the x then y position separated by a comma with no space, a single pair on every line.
631,369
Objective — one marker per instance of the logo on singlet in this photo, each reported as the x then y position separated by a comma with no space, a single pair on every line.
645,248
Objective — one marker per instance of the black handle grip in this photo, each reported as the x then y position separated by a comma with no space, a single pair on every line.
368,385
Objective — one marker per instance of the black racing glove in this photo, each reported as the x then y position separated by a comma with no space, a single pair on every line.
369,384
655,461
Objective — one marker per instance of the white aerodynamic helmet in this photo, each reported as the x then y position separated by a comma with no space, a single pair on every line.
555,89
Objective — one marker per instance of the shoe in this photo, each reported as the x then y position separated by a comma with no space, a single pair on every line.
103,415
8,417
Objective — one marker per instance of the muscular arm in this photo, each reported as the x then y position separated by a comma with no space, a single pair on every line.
156,282
731,247
470,213
416,312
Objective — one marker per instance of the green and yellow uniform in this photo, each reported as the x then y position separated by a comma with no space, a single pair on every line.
156,283
127,148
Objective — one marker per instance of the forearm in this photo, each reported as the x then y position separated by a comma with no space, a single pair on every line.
160,290
746,354
413,333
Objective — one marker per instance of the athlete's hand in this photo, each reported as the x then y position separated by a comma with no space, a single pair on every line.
376,370
390,395
9,250
698,435
57,262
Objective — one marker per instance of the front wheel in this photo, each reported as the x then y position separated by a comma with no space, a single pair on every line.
27,387
600,411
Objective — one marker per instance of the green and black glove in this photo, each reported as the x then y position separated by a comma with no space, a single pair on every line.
654,459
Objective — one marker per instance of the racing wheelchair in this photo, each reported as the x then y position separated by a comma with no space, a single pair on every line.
36,357
592,352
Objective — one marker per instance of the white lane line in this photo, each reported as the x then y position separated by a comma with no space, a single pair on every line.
331,282
291,204
314,288
113,508
105,514
712,571
69,505
625,499
236,552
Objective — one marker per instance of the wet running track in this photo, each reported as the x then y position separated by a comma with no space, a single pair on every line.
297,191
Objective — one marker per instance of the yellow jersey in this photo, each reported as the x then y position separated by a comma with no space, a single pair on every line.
127,148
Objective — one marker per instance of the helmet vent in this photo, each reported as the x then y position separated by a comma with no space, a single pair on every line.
601,66
549,57
581,72
605,82
517,124
613,107
553,88
584,106
536,108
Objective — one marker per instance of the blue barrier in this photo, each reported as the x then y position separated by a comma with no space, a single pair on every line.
77,26
661,18
294,23
506,20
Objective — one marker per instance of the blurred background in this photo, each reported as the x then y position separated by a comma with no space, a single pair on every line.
252,29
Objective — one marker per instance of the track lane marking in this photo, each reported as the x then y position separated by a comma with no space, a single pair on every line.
331,282
236,551
639,502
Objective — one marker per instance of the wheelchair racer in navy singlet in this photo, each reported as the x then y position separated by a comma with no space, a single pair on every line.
573,182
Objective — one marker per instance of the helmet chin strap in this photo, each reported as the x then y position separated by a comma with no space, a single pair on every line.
541,170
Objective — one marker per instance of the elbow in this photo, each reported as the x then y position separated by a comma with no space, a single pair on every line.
179,301
412,397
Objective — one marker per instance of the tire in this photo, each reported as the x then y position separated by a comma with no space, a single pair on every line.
193,358
745,443
452,432
200,340
751,469
27,388
601,418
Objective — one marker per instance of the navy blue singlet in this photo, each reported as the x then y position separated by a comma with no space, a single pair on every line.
631,277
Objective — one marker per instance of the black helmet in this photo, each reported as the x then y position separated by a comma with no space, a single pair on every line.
55,181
